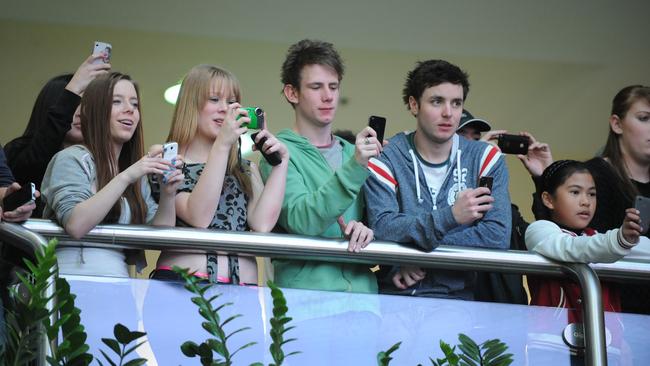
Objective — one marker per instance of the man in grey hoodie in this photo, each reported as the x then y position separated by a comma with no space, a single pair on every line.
423,190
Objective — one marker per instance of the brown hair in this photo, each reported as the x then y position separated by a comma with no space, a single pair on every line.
96,107
194,93
620,106
309,52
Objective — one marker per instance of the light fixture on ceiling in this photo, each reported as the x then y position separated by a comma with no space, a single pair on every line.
171,93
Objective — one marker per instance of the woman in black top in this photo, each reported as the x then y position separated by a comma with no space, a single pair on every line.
623,172
53,124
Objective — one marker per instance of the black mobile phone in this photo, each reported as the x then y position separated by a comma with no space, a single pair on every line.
25,195
486,182
272,158
379,125
642,204
513,144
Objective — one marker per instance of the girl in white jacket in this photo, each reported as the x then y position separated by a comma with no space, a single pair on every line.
569,196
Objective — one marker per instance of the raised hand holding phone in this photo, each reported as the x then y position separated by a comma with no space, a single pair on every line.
87,72
258,121
632,227
366,146
104,49
379,125
642,204
513,144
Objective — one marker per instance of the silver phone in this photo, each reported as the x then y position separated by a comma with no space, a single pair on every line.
104,47
170,151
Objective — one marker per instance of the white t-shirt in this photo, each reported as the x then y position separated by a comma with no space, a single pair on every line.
435,175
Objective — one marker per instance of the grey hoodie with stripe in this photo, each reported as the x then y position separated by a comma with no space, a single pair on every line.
400,208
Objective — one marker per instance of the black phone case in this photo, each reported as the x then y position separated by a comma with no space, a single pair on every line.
513,144
272,158
642,204
18,198
486,182
379,125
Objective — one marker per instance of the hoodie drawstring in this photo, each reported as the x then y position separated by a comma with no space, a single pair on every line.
417,175
458,175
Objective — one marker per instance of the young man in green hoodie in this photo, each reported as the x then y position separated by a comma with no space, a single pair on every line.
326,174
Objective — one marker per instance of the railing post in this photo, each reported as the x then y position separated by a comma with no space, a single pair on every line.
592,310
30,242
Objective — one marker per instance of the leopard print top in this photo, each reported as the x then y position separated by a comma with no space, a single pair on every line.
231,210
231,213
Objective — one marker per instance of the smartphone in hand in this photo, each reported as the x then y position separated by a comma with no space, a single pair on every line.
170,151
486,182
26,194
272,158
102,47
642,204
379,125
513,144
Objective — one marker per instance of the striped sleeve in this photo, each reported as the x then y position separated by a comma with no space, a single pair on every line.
489,158
382,173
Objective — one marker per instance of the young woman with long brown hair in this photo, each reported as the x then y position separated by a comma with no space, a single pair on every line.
103,180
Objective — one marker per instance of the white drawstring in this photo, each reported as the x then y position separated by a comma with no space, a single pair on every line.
458,167
417,175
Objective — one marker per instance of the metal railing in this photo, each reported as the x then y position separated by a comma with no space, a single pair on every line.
30,243
293,246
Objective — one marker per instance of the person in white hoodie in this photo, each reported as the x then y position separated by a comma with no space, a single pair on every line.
569,197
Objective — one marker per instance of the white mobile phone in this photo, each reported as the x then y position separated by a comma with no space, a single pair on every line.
170,151
104,47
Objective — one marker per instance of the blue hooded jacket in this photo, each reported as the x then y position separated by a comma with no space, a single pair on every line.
400,208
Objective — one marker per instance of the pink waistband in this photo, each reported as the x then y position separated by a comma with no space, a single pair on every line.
197,274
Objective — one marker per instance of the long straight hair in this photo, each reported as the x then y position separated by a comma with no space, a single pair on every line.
96,108
47,97
620,106
194,93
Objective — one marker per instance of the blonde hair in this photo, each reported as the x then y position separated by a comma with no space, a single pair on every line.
194,93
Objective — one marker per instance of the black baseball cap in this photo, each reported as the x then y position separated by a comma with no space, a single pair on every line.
466,119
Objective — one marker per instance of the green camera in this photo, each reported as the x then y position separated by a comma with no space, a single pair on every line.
256,114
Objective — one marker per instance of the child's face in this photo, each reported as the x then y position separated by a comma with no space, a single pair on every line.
574,202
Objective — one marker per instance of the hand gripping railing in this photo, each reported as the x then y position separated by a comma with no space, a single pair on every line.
293,246
30,243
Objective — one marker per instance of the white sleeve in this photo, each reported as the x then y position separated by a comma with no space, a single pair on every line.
546,238
641,251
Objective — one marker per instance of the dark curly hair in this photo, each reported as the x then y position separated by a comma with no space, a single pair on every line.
431,73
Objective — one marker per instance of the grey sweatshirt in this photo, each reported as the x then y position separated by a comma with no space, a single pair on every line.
71,178
401,209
